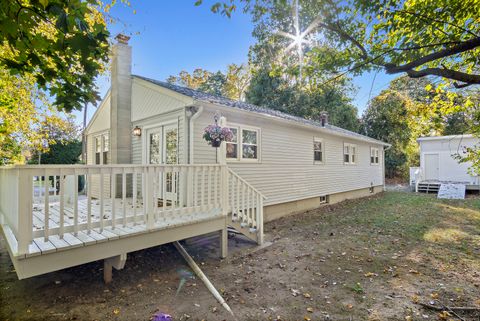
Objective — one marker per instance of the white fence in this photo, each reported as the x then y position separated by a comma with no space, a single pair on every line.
44,200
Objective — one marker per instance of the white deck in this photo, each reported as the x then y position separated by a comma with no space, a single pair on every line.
50,229
127,225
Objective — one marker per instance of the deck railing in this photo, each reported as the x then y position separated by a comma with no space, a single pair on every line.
246,204
114,196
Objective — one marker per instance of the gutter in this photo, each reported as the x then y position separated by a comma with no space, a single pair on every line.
195,113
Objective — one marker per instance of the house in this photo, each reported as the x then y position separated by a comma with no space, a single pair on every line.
438,162
152,179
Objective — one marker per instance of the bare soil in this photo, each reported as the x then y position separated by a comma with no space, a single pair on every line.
368,259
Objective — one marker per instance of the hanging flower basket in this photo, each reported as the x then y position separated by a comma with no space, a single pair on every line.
215,135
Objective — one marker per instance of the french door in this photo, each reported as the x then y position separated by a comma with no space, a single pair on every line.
162,148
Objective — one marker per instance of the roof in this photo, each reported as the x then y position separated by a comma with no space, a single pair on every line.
219,100
450,137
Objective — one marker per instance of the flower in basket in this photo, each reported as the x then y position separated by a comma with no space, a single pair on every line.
215,134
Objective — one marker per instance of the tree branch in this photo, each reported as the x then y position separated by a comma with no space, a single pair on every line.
446,73
462,47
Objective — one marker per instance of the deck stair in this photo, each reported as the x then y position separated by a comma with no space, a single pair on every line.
245,208
428,187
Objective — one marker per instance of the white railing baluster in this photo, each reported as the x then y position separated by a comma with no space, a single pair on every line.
124,197
62,204
102,200
209,186
46,208
75,202
88,183
113,190
134,195
202,200
195,186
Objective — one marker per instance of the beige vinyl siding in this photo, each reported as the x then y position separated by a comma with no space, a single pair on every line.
149,100
286,170
101,119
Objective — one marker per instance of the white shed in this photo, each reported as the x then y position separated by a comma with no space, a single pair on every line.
439,164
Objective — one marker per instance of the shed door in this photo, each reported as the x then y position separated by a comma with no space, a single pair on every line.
431,166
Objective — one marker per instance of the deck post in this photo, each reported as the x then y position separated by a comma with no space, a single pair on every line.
149,192
24,207
224,241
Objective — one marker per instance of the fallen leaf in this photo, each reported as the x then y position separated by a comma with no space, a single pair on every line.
310,310
443,315
369,274
306,318
116,311
306,295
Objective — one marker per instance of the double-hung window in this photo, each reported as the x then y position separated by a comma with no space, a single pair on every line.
244,146
349,153
102,145
318,154
374,156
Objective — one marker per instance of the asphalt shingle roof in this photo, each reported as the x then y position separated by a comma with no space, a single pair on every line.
214,99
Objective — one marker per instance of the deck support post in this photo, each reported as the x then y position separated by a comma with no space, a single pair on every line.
224,242
117,262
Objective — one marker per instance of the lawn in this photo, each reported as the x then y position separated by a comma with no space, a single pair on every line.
369,259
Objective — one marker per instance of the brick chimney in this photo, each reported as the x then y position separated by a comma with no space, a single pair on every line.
324,118
121,102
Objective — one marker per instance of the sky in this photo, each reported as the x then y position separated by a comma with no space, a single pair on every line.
170,36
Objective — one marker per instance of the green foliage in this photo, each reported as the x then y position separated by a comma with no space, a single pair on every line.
27,120
60,152
268,90
386,119
417,37
63,45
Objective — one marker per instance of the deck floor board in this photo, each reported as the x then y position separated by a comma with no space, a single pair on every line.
126,223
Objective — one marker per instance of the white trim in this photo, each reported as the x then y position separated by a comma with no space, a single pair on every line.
421,139
376,156
239,143
350,154
101,135
322,141
145,129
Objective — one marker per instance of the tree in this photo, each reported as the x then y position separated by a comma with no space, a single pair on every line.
386,119
276,92
231,84
25,118
62,45
420,38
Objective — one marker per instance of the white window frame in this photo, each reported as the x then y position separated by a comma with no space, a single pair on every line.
351,147
375,153
240,128
101,138
322,150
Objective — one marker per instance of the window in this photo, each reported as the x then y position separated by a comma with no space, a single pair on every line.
244,146
349,153
374,156
98,149
324,199
317,150
106,146
232,145
249,144
102,145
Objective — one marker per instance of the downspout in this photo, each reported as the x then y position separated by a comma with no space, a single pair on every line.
383,165
195,113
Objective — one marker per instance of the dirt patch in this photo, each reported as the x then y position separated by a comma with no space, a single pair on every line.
369,259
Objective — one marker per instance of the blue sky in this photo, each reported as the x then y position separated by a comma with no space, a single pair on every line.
170,36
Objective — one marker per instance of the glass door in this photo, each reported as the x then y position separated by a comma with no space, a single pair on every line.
170,152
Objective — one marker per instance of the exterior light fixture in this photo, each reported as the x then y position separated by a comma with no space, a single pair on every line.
137,131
